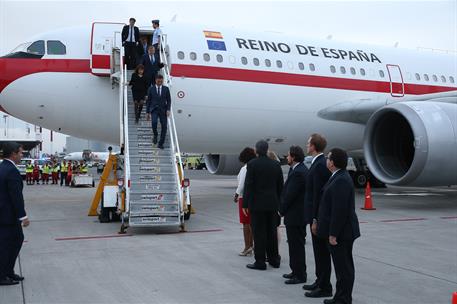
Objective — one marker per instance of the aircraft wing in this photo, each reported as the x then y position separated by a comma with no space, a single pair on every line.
360,110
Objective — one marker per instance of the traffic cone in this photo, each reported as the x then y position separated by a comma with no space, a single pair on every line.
454,298
368,200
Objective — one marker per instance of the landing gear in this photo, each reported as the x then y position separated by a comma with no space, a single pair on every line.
360,179
361,175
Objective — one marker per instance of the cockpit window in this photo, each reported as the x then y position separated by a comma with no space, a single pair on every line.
56,47
37,48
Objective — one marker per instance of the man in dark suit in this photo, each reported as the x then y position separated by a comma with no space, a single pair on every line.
158,106
142,48
318,176
12,213
262,192
338,222
292,207
130,40
151,65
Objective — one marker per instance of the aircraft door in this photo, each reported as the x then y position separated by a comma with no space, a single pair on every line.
397,86
105,36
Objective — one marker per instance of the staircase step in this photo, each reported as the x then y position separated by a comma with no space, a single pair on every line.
154,221
144,210
151,199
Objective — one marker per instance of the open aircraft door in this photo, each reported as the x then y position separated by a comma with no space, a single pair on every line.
105,36
397,86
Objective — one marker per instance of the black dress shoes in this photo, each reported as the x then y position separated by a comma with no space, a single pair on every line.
295,280
154,141
8,282
275,265
161,146
330,301
256,266
16,277
288,275
311,286
318,293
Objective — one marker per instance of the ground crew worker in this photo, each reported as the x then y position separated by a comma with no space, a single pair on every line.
69,174
55,174
45,173
36,174
83,168
29,173
63,172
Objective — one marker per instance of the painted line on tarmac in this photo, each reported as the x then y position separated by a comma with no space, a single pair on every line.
75,238
448,217
404,220
203,231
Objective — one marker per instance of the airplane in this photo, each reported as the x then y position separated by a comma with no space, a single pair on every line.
395,108
96,157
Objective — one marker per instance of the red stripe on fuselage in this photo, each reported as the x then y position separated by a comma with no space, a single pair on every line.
197,71
101,62
12,69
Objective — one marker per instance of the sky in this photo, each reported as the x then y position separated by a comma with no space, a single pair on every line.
410,24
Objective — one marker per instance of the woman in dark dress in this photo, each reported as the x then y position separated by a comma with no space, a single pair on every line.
139,86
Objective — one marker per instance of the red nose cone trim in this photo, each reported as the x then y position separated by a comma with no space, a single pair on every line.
12,69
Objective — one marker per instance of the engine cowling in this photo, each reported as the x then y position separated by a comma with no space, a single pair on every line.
413,143
222,164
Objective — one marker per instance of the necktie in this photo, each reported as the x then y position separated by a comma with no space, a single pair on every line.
290,172
131,36
158,91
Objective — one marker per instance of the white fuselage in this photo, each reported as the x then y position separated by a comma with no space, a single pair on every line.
224,100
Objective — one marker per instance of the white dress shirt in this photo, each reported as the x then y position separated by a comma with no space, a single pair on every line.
131,36
334,173
155,36
241,177
22,218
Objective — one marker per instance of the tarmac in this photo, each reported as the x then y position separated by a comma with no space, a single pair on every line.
407,252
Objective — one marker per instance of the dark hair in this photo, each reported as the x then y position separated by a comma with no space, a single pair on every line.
246,155
139,67
151,47
318,141
339,157
9,148
159,76
297,153
132,19
261,147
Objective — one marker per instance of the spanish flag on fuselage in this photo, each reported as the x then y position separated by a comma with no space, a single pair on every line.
213,35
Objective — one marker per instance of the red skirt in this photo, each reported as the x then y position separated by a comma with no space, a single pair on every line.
243,218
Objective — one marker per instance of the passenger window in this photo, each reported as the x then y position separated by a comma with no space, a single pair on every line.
193,56
343,70
312,67
381,73
352,71
56,47
279,63
426,77
37,48
206,57
301,66
435,79
362,72
332,69
451,79
244,60
181,55
443,79
256,61
267,62
219,58
418,77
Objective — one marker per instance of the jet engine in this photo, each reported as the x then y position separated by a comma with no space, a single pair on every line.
413,143
222,164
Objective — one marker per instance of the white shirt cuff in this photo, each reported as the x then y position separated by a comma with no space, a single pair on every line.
23,218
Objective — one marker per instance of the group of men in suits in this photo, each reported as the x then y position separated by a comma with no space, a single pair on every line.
322,196
12,213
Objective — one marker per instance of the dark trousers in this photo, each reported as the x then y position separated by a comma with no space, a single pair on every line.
297,259
130,55
157,52
138,108
63,178
344,270
157,115
11,239
323,263
264,228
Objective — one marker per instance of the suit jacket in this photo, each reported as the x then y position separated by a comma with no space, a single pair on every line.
11,199
293,197
263,185
141,50
318,176
150,68
156,102
125,33
337,215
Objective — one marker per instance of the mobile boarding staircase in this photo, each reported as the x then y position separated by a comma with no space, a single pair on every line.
155,193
